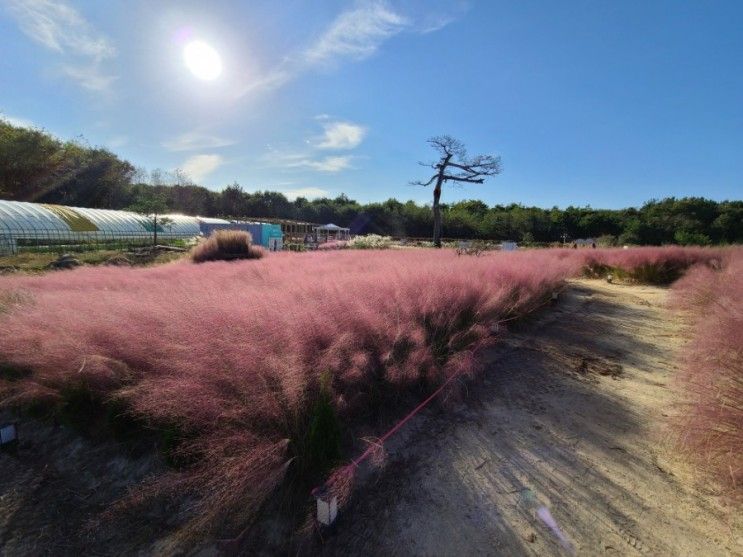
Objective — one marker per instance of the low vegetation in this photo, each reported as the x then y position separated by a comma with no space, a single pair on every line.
252,371
231,356
712,373
226,245
39,261
647,265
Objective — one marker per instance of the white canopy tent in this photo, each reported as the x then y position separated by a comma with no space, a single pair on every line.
327,232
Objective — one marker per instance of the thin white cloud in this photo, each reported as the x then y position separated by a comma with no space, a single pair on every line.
293,161
117,141
199,167
59,27
18,122
275,158
342,135
357,33
436,23
329,164
196,141
308,193
269,81
338,136
89,77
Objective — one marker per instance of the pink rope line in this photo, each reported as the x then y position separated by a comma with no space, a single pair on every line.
355,462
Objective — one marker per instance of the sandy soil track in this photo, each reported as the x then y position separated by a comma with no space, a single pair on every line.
572,415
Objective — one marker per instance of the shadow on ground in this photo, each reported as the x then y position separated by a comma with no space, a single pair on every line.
552,424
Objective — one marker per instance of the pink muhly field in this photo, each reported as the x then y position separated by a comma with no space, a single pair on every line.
232,359
649,265
712,372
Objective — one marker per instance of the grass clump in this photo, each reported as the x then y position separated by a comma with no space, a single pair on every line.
659,266
711,429
226,245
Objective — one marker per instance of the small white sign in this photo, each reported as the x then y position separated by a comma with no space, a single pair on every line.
327,509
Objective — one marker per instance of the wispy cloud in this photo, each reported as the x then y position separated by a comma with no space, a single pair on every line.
293,161
117,141
89,77
342,135
199,167
272,80
435,23
329,164
196,141
338,136
308,193
17,122
59,27
357,33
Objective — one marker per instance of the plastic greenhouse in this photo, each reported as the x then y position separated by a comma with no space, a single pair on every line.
26,225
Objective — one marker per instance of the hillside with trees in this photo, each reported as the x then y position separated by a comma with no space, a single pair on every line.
35,166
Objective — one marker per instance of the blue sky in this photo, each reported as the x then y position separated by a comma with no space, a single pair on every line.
595,103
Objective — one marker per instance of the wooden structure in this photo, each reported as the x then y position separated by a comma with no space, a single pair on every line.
294,231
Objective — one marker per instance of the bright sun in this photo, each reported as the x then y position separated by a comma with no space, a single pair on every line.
203,61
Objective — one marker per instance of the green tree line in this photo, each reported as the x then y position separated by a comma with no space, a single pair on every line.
34,166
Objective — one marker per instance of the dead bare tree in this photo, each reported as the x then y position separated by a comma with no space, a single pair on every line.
455,166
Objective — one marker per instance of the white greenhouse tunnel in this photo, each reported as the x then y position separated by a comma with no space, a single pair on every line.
36,223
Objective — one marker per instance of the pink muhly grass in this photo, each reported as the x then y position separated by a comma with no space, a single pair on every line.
712,373
226,245
656,265
231,355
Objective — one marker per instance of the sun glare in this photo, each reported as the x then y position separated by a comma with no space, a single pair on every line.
203,61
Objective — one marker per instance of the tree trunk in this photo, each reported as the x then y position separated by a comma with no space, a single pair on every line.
437,213
154,232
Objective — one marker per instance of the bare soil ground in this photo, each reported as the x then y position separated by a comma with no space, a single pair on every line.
56,486
574,416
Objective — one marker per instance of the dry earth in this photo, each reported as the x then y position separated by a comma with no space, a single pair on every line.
573,415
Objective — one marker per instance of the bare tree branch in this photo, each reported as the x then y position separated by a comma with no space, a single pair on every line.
489,166
461,179
419,183
453,155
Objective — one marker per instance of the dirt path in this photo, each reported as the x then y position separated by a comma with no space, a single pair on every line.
572,416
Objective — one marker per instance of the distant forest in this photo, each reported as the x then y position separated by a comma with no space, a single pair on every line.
34,166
